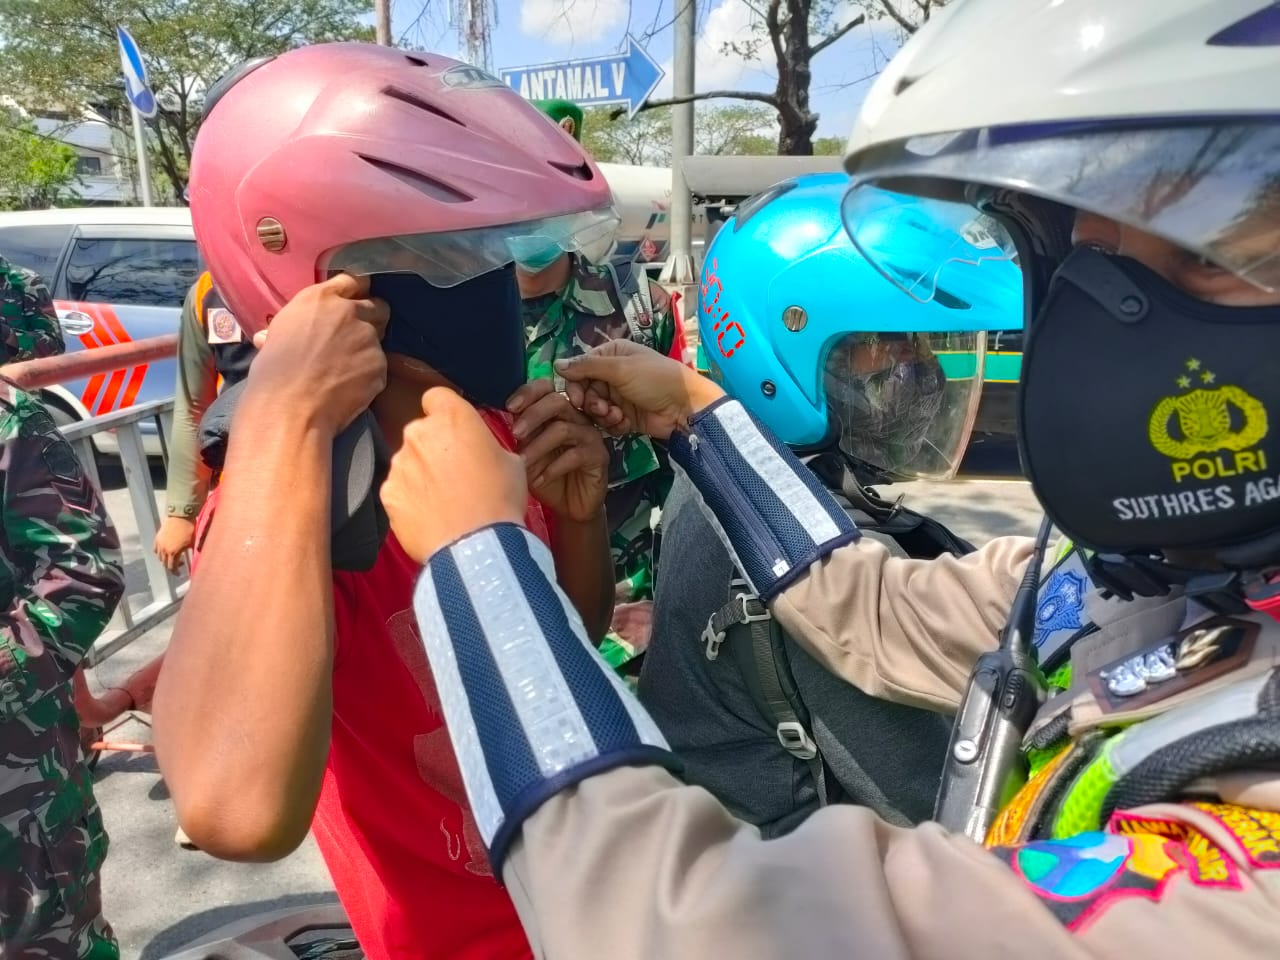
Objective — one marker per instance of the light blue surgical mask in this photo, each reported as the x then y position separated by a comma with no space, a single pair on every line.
534,254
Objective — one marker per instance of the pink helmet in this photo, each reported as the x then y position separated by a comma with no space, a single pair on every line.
368,159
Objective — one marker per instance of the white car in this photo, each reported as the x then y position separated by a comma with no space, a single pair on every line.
117,274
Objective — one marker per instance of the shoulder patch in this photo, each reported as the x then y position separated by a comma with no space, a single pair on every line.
1079,877
223,326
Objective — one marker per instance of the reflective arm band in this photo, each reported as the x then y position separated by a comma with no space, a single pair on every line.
530,706
774,516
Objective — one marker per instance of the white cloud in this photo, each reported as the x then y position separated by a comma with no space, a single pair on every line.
729,21
567,22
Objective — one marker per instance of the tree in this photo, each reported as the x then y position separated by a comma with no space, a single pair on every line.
643,140
35,171
63,53
743,129
794,32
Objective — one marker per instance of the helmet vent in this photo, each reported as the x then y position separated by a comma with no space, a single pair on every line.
416,61
433,188
579,171
414,101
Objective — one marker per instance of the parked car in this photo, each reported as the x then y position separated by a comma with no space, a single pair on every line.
117,274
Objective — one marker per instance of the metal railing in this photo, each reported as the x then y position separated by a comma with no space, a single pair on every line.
145,604
163,591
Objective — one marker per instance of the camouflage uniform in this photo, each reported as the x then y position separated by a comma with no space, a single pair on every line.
585,314
29,326
60,581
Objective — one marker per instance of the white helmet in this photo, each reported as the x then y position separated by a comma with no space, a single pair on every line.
1149,419
1162,114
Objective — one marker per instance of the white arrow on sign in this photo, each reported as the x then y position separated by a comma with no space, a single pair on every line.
135,74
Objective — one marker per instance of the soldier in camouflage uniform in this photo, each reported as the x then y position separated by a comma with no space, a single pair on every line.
60,580
585,311
570,306
28,324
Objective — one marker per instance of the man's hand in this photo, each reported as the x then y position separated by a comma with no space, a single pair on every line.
627,388
450,478
323,360
633,622
566,460
173,540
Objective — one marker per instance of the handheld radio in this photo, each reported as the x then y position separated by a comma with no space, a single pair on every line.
985,767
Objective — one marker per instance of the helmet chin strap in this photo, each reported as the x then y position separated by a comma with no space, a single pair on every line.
1247,578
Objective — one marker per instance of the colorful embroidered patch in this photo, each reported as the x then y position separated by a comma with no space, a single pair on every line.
1079,877
1205,861
1061,604
1257,831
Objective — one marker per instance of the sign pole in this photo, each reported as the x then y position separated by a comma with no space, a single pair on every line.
678,270
142,103
143,165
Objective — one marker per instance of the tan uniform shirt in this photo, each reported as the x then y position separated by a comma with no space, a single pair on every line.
1193,882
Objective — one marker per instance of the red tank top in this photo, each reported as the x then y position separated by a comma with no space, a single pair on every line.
392,822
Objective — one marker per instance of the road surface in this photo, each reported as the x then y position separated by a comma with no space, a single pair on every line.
160,897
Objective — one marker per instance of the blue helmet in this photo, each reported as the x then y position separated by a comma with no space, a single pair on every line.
818,344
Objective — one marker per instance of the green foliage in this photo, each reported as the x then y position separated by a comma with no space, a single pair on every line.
737,129
35,171
829,146
62,54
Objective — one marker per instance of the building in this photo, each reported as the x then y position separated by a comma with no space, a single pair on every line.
102,158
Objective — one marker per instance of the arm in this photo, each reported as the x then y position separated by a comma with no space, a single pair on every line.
243,707
567,467
584,569
196,388
244,702
573,805
61,549
697,883
189,477
907,630
29,324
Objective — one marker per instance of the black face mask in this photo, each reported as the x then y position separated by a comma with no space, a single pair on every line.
472,334
1147,417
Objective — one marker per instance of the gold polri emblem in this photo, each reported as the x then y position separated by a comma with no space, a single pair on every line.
1209,431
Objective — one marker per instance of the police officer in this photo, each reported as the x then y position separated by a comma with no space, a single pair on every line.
868,385
1143,217
213,354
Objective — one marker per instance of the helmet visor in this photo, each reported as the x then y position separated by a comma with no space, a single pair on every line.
1212,188
448,259
906,402
962,252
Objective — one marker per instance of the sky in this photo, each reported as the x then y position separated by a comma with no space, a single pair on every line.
541,31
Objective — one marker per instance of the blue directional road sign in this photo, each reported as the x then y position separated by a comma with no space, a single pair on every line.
626,78
135,74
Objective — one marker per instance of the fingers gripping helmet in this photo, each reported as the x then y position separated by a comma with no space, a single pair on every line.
1147,410
815,342
364,158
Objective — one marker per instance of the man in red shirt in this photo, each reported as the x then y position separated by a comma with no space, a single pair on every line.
296,682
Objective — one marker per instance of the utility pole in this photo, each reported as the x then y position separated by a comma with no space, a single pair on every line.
678,270
382,21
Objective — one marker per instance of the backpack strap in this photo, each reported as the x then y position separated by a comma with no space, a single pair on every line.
632,286
759,649
759,646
